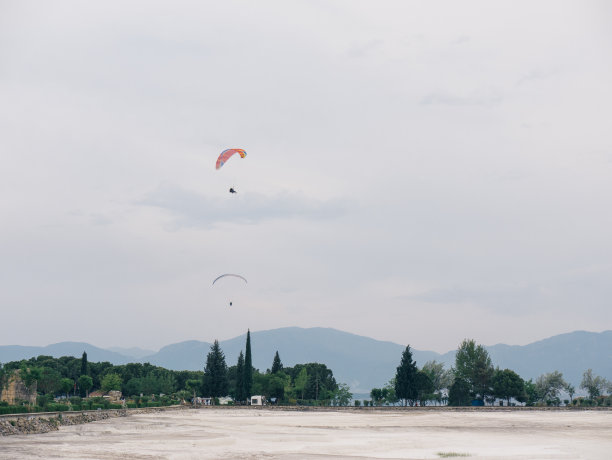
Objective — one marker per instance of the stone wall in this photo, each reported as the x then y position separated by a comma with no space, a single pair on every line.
15,390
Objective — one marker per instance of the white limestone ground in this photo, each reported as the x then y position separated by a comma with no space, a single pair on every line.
249,433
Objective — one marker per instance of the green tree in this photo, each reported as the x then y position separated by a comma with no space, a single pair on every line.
49,381
300,383
276,385
66,385
111,382
84,366
30,376
321,384
459,394
507,384
248,367
85,383
593,384
440,378
215,382
424,387
240,392
405,379
192,385
376,395
570,390
389,392
342,396
531,393
473,365
277,366
548,387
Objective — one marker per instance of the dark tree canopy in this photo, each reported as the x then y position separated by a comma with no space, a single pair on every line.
240,390
406,387
277,366
215,382
459,393
508,384
248,367
84,366
473,365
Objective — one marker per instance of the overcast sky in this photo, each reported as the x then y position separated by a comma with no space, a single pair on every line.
419,172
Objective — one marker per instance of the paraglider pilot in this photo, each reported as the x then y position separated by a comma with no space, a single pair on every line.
232,190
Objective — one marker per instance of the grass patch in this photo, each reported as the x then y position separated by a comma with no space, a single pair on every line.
452,454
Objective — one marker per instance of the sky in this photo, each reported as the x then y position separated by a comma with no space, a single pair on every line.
417,172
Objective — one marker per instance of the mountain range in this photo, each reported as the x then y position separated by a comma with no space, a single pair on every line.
362,362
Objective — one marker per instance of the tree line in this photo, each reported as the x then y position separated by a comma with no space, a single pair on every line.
72,379
303,384
473,380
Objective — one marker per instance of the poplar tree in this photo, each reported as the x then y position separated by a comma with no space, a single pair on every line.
248,367
84,365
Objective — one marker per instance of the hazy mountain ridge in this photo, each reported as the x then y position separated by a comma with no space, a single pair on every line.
359,361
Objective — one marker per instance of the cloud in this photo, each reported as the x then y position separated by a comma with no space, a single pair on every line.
359,50
536,74
192,209
488,98
508,295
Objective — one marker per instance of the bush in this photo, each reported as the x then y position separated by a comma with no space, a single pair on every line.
43,400
97,406
13,409
357,403
132,405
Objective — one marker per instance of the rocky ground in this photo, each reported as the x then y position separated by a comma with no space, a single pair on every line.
262,433
35,424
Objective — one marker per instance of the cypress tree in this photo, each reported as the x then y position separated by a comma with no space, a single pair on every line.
240,392
84,365
248,367
406,386
276,364
215,382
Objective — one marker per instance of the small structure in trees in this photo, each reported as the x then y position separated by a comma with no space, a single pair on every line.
16,389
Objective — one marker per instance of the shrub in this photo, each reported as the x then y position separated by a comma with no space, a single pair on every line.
357,403
132,405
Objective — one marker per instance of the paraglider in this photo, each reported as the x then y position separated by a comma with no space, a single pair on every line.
227,154
229,274
231,190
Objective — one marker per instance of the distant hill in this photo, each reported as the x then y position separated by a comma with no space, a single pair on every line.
76,349
133,352
361,362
